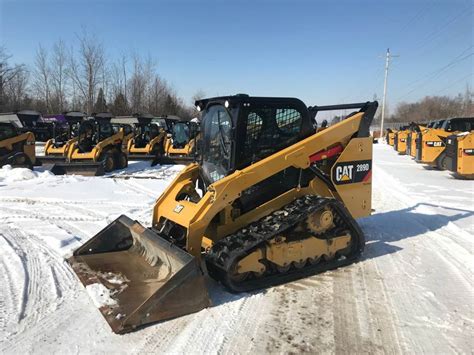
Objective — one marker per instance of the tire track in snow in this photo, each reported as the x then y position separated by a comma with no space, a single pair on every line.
44,281
10,296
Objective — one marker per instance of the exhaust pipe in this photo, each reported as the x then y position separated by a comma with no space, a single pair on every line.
137,277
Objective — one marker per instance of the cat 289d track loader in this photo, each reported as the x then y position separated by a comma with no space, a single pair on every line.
270,200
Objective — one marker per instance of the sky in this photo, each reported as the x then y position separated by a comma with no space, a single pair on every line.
323,52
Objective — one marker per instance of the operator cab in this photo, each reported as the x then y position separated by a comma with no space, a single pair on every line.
145,130
240,130
461,124
73,120
7,130
95,130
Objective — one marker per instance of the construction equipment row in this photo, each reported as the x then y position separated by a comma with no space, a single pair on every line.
93,146
446,144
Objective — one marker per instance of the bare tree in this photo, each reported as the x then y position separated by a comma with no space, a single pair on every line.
8,73
42,78
86,71
16,91
59,83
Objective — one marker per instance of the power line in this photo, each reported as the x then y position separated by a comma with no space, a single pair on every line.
454,83
432,35
459,58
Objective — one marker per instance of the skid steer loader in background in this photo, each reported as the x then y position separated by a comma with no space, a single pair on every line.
419,137
390,136
269,201
148,141
431,147
97,150
16,149
412,136
400,140
460,154
128,133
56,148
179,143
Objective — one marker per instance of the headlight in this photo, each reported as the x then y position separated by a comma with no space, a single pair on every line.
226,104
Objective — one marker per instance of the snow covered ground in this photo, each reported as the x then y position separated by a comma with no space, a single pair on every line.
412,292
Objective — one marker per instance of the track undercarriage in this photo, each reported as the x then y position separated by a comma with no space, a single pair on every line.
308,236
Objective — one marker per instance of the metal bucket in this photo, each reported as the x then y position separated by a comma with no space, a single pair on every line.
142,276
86,169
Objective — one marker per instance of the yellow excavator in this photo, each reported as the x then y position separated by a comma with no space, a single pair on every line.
97,150
16,148
270,200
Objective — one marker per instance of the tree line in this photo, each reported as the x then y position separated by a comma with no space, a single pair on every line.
427,109
434,107
82,78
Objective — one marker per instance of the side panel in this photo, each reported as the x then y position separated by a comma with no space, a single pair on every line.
466,156
352,176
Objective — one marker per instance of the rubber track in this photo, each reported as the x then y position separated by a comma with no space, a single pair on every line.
229,250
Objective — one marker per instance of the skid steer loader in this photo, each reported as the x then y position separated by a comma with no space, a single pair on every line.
56,148
460,154
128,134
400,140
97,150
390,136
16,149
432,144
179,143
148,142
414,130
269,201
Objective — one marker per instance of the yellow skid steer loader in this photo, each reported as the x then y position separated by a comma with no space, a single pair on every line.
460,154
16,149
431,149
148,142
97,150
269,201
56,148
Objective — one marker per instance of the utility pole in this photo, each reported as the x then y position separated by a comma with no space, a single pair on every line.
388,58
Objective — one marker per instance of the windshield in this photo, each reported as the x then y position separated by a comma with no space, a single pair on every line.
216,131
7,131
180,134
160,122
105,130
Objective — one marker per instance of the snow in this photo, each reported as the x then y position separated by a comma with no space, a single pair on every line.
100,295
411,292
8,174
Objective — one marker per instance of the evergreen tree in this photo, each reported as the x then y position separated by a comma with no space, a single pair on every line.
120,106
100,105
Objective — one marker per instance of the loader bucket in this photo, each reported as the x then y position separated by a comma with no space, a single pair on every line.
140,277
163,160
86,169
